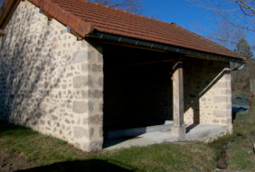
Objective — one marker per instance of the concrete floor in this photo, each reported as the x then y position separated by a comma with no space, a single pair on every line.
202,133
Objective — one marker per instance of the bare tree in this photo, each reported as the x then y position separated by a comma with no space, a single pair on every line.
239,13
247,6
226,34
134,6
241,78
235,19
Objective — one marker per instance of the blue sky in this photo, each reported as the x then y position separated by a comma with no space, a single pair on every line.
181,12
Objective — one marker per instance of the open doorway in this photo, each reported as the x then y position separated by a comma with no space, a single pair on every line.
137,91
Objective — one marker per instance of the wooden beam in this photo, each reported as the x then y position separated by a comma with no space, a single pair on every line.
2,32
8,8
144,63
178,101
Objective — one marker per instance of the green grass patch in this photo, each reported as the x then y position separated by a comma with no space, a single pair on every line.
240,155
50,154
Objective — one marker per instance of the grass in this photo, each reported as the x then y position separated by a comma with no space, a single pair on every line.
240,155
45,151
50,154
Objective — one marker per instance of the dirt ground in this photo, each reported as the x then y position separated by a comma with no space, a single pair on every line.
13,162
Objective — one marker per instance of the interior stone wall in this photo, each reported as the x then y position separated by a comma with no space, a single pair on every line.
49,81
207,91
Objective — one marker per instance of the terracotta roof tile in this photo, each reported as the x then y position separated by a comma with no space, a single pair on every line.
83,17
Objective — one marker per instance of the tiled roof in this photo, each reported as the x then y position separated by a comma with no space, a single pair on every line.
85,17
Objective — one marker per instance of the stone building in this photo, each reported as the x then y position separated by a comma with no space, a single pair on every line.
76,70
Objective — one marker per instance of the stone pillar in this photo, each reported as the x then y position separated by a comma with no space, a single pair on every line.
178,101
222,113
89,133
228,94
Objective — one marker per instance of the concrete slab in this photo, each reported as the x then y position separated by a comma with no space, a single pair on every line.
201,133
138,131
206,133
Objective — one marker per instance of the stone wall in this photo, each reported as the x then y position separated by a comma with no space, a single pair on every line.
207,90
49,81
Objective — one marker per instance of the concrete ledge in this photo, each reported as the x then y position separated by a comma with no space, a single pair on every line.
206,133
137,131
200,133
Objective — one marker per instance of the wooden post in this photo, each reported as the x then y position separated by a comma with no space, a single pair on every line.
251,102
178,101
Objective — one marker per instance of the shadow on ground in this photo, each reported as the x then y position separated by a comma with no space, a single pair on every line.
5,126
93,165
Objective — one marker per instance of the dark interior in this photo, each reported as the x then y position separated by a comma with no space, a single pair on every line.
137,87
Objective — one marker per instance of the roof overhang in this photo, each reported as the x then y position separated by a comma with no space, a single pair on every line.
161,47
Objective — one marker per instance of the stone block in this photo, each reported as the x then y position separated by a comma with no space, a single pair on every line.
96,68
90,55
80,81
228,77
95,94
220,85
93,146
91,132
220,99
80,107
96,119
226,92
101,81
84,94
80,132
85,67
216,121
91,106
80,56
90,81
219,113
